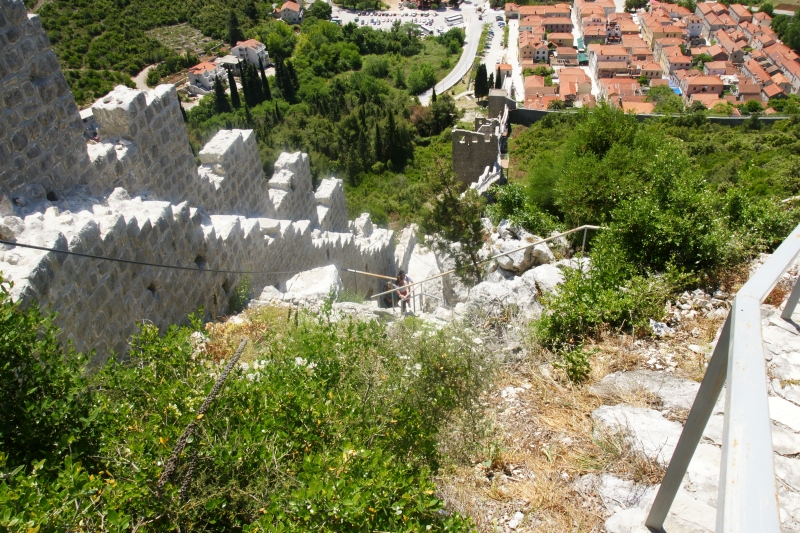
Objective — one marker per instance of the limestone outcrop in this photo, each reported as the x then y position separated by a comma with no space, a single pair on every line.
137,195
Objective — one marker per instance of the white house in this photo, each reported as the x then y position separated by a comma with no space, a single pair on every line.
291,13
202,75
251,51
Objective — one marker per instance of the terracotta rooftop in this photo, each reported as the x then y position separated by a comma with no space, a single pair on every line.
203,67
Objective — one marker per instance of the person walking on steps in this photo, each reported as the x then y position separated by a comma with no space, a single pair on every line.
404,295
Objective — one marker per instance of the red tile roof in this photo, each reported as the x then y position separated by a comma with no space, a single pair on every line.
203,67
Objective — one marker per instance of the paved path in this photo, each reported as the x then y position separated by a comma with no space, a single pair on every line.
473,27
517,79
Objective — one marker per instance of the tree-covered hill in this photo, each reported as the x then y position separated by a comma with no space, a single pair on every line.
105,40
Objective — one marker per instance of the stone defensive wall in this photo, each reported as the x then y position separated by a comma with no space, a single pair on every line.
138,195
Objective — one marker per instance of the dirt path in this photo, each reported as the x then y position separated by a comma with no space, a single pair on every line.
141,79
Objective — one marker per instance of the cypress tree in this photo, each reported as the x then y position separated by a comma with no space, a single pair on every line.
498,79
490,82
277,112
378,142
433,96
292,75
264,82
221,104
252,85
250,10
234,33
247,116
391,138
481,87
234,91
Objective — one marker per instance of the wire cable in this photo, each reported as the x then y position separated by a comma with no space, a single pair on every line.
160,265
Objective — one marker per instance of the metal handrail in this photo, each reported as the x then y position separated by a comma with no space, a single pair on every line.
747,500
585,228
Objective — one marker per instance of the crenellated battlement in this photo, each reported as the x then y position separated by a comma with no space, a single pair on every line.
138,195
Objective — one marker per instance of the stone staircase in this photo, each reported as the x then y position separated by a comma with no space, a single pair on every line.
655,433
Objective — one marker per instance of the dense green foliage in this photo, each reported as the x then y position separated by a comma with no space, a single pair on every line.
321,426
109,35
681,199
360,125
788,29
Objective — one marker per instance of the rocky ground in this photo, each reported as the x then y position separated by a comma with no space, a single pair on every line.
553,456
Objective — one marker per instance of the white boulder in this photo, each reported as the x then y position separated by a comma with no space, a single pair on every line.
315,284
547,277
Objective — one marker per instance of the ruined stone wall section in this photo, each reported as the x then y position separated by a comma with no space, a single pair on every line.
231,177
144,145
291,191
42,149
331,205
99,302
472,153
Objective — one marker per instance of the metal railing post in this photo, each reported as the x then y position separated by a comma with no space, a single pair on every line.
583,246
791,302
702,409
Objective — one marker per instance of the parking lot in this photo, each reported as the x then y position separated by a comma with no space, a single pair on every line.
383,20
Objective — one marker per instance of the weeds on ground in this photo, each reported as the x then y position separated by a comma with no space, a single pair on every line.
240,295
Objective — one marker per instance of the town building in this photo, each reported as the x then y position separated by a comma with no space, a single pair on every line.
203,74
252,51
291,13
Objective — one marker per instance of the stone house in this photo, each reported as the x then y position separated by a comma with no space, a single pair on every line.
566,56
536,85
511,10
739,13
735,49
772,91
651,71
532,49
747,91
561,39
557,24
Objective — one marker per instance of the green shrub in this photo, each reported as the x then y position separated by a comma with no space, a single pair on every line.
611,294
322,426
46,410
512,203
575,362
240,295
377,66
421,78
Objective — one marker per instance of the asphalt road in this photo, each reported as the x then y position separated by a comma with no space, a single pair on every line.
473,28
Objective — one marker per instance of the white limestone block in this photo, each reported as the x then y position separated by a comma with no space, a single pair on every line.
547,277
316,284
645,429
